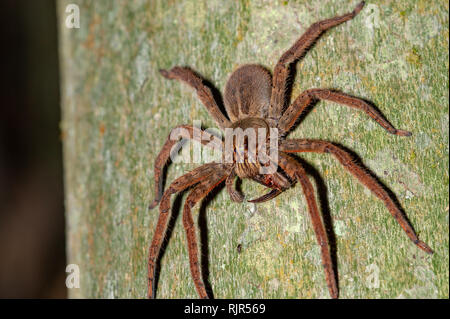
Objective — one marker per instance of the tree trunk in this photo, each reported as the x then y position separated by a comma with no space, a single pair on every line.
118,111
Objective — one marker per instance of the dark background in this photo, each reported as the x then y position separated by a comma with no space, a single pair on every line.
32,243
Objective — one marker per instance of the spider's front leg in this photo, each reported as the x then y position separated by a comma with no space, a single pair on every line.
281,71
196,195
182,131
193,177
302,102
296,171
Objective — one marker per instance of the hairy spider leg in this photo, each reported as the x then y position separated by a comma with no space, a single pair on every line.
318,146
197,194
181,183
281,71
302,102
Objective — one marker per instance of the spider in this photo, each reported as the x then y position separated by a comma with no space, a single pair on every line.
255,99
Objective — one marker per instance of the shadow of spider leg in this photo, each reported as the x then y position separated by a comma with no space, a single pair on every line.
344,157
296,171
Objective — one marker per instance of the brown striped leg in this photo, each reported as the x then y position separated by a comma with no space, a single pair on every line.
318,146
193,133
204,93
295,170
193,177
281,71
292,113
196,195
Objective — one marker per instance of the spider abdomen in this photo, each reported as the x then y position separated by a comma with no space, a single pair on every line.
247,92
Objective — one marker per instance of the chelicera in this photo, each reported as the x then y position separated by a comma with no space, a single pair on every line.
256,99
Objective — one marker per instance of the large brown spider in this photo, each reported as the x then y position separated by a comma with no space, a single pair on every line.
254,100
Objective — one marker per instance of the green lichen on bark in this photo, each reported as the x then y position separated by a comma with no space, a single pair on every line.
118,111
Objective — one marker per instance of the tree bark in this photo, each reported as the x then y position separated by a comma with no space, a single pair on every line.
118,110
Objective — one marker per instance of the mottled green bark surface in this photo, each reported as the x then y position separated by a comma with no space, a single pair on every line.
118,111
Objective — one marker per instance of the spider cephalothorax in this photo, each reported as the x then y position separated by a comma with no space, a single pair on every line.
256,102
